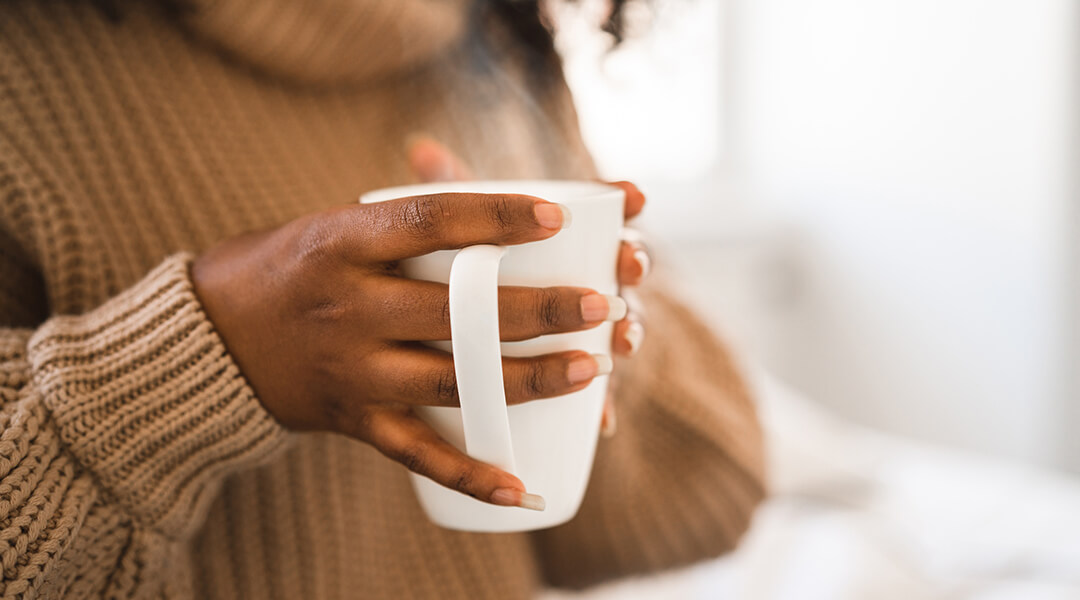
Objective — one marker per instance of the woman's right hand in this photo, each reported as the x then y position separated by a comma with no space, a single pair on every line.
327,331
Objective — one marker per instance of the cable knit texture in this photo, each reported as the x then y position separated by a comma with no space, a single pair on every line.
135,461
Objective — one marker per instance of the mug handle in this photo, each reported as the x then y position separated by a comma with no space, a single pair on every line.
474,338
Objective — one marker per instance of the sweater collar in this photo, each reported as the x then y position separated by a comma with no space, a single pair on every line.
326,42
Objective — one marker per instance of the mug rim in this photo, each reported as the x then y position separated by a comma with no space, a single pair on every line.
568,190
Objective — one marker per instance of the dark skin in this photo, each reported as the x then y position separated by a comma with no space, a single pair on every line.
327,331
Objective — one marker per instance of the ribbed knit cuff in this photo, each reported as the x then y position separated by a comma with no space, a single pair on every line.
145,395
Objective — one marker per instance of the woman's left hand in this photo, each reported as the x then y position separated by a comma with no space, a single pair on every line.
431,161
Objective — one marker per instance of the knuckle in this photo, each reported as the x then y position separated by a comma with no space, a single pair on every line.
315,241
446,388
501,213
423,215
355,423
548,310
464,480
326,309
358,424
534,380
412,456
444,313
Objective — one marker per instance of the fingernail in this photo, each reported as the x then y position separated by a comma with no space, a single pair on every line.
643,259
602,307
551,215
582,369
506,497
512,497
635,334
617,307
608,430
604,364
532,501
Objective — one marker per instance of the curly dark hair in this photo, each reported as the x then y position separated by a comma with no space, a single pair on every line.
525,19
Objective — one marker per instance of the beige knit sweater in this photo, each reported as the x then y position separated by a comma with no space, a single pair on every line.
135,462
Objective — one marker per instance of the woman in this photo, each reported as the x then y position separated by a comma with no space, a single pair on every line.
187,280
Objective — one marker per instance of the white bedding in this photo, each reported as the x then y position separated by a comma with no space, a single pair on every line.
857,514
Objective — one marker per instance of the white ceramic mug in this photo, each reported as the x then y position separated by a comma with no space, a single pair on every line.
549,444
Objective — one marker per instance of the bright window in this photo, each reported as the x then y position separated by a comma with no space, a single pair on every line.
651,109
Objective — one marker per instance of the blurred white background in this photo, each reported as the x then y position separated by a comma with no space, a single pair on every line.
877,200
878,203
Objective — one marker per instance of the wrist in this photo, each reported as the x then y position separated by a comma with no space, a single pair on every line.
245,286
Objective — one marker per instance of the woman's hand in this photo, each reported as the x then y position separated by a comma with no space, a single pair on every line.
431,161
327,332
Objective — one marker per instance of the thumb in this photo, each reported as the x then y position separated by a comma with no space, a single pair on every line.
431,161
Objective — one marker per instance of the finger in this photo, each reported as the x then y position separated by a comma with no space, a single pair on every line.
419,375
607,420
403,437
635,200
627,336
634,304
432,161
417,225
420,310
634,263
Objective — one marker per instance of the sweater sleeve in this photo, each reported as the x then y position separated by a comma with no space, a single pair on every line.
116,428
681,478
